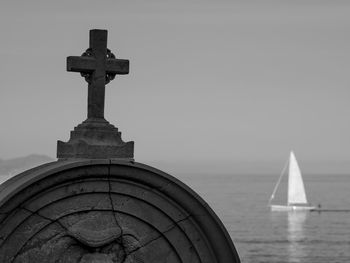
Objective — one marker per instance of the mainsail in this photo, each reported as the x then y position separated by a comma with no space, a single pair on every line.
296,190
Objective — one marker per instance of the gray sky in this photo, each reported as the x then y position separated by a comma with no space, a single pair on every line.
215,82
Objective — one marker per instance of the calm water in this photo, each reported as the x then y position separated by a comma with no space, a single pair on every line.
263,236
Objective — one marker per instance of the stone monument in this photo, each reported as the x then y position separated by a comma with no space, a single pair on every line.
95,204
95,138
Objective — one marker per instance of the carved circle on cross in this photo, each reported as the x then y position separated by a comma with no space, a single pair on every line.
87,76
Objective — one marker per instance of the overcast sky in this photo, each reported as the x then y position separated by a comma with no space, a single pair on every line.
215,82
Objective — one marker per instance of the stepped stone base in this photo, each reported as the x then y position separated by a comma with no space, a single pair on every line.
95,139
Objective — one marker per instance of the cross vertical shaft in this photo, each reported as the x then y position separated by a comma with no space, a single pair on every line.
96,88
98,65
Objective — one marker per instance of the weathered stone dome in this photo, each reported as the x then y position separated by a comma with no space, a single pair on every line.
107,211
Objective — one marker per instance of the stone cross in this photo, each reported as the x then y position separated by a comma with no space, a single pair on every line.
98,65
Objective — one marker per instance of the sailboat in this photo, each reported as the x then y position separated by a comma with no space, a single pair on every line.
296,190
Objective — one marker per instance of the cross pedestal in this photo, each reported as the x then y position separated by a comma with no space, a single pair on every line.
96,138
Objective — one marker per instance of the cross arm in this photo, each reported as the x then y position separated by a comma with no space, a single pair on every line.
81,64
117,66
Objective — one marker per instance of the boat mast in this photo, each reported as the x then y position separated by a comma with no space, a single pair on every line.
278,181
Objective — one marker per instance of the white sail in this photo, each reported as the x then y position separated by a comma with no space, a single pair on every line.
296,190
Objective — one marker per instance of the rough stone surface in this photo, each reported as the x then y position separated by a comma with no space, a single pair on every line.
107,211
95,138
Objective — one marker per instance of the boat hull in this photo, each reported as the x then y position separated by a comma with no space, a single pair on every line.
291,208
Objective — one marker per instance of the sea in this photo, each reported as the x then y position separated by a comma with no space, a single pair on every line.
262,236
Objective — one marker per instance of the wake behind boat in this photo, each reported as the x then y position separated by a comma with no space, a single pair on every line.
296,191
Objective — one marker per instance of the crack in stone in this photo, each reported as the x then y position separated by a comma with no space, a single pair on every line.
47,218
114,212
43,242
21,251
121,240
175,224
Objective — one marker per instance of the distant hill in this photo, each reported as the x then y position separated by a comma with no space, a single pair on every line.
20,164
